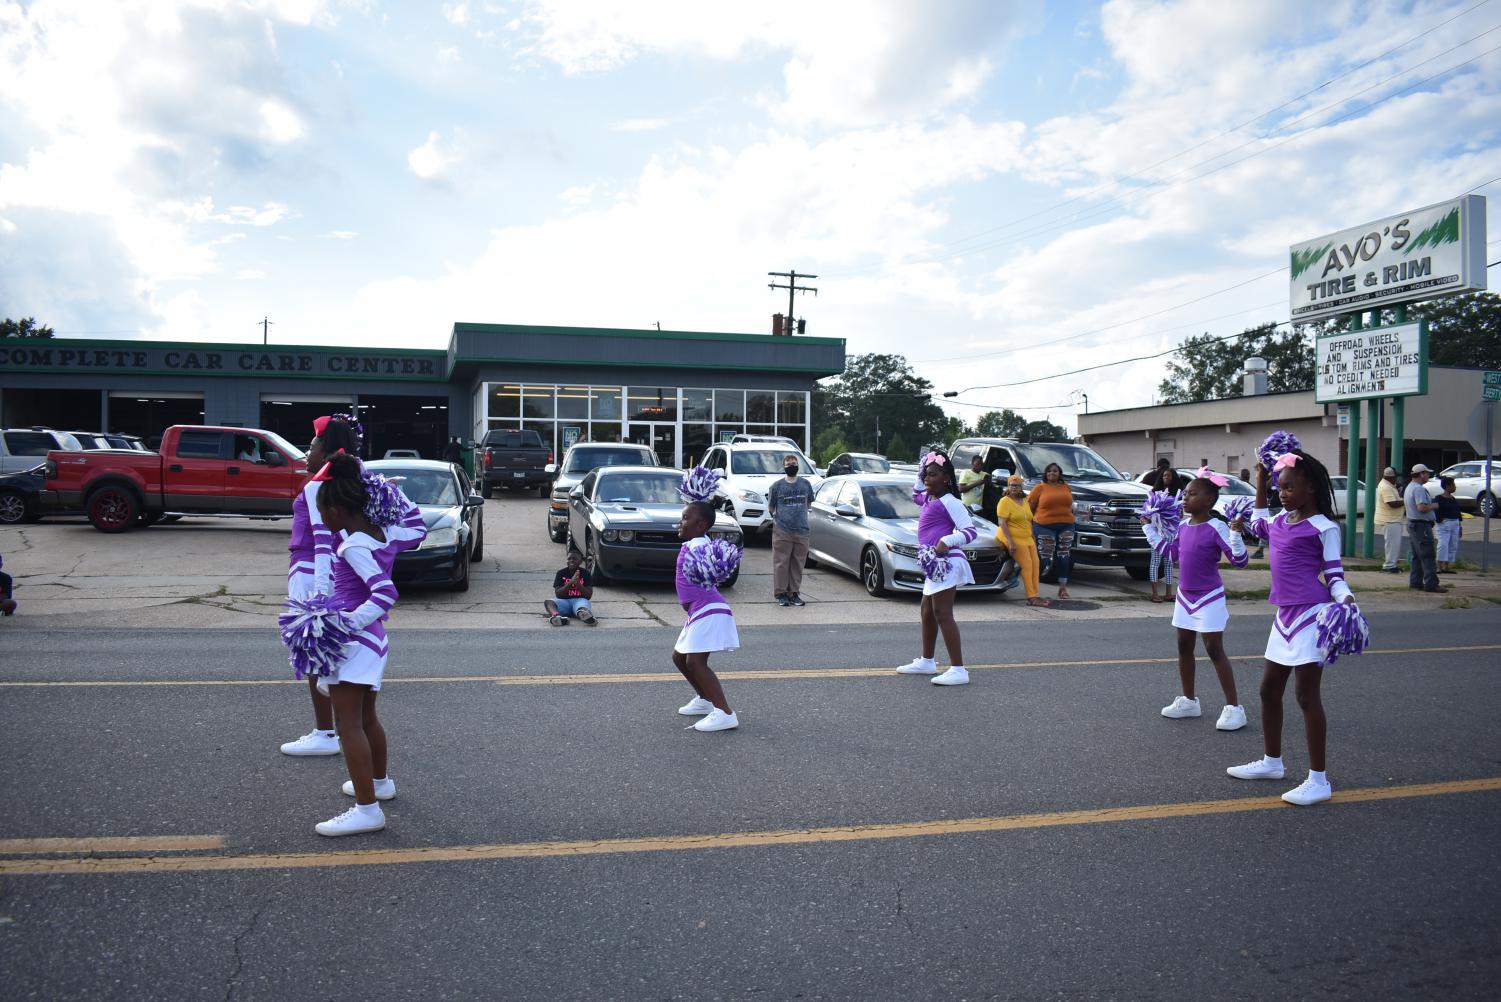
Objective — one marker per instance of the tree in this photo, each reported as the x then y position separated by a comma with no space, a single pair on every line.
25,327
879,391
1208,368
1044,431
825,454
899,450
1463,331
1001,424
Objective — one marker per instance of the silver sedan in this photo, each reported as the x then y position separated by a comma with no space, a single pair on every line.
866,525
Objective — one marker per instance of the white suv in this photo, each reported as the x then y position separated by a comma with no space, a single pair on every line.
748,469
25,448
1469,485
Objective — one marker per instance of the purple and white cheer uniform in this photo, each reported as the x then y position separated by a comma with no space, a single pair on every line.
311,549
1306,576
711,623
945,519
1200,605
363,588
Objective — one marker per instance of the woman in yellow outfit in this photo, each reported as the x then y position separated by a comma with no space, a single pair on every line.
1013,518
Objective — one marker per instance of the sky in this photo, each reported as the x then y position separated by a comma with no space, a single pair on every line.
1003,191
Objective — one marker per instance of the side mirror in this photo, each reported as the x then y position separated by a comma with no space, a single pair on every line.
474,501
274,458
847,510
551,468
576,494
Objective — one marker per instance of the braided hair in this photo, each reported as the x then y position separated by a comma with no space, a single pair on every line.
340,434
345,489
1317,478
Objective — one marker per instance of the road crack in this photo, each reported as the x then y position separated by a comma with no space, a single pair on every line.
232,983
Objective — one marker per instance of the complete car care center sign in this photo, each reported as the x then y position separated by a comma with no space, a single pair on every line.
1437,251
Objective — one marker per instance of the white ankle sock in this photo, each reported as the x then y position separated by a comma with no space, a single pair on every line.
368,808
1319,777
1277,761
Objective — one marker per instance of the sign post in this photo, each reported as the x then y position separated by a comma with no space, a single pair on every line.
1483,437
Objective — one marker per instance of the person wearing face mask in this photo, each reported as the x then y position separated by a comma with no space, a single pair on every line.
788,503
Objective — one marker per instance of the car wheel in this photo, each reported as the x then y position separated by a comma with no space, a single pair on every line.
872,574
1487,505
557,536
544,490
12,508
462,584
112,509
1138,572
479,541
485,490
591,563
729,582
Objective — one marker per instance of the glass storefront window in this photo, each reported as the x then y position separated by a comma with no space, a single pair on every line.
760,405
696,441
537,402
729,405
505,400
698,405
792,408
573,403
653,403
607,403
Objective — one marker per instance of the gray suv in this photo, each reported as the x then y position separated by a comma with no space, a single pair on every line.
24,448
1107,505
577,462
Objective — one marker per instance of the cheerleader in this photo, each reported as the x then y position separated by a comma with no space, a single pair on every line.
311,551
362,588
711,623
943,527
1160,535
1307,576
1199,610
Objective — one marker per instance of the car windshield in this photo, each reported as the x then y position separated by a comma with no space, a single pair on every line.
426,487
639,488
285,446
765,461
1076,461
584,460
889,501
1237,486
869,464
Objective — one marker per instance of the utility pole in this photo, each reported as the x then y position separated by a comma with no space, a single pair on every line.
792,289
266,323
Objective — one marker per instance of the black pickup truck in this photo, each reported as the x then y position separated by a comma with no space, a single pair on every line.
515,459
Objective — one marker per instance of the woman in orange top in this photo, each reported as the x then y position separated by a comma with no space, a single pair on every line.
1052,505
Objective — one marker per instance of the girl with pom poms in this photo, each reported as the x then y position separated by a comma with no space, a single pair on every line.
1316,619
703,565
943,527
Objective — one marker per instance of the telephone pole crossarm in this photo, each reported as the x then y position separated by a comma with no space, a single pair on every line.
792,288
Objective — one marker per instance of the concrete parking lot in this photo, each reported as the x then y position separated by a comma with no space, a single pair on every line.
216,573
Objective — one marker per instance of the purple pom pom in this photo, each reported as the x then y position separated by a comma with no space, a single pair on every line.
1342,630
386,500
711,564
315,632
1239,509
1278,443
699,484
934,567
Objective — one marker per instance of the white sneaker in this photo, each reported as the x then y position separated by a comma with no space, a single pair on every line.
717,720
1181,707
954,676
385,789
313,743
1232,718
919,666
355,821
696,707
1259,769
1311,792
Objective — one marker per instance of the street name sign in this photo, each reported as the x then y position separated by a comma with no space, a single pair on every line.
1375,362
1434,251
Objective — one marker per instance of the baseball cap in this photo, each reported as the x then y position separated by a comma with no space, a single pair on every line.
1388,472
1420,468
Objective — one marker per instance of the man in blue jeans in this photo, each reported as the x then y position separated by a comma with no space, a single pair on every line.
1420,521
572,589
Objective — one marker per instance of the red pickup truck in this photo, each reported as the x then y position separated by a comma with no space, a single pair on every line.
199,470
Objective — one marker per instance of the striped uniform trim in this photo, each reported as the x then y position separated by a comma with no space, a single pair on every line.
1193,605
717,609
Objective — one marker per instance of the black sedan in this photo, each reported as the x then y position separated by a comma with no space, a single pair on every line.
21,495
454,517
624,520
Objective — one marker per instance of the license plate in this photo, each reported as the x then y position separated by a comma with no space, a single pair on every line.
518,475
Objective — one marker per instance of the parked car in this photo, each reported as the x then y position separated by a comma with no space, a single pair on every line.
1469,486
201,470
577,462
131,442
865,524
1340,485
748,470
857,462
512,458
24,448
455,521
741,438
624,520
21,495
402,454
1107,505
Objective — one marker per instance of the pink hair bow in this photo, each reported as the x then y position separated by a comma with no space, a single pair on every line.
1206,473
327,473
1286,461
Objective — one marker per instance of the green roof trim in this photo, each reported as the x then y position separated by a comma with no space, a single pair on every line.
127,345
651,335
492,360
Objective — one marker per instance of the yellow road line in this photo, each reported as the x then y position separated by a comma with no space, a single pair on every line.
729,840
742,674
128,843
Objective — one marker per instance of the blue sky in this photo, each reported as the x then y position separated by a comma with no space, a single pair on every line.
969,179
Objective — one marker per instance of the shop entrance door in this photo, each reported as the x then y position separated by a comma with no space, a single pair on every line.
662,438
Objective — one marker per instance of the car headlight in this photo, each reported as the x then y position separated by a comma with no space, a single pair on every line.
750,496
439,538
1082,509
903,549
625,535
608,535
728,537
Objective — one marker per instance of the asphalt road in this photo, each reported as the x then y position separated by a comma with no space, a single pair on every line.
529,748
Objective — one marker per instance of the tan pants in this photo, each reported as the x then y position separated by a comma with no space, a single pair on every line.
788,554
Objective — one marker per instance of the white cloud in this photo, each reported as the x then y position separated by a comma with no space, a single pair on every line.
429,161
456,13
341,234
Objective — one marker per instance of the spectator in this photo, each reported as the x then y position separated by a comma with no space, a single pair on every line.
1154,476
787,502
1245,474
1420,521
1052,505
572,589
1448,528
972,482
1389,519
